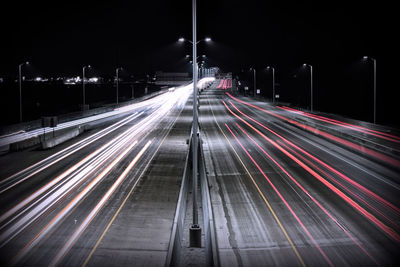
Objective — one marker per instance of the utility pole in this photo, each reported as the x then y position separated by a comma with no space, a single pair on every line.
117,76
195,230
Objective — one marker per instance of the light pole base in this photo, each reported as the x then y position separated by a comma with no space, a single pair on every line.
195,236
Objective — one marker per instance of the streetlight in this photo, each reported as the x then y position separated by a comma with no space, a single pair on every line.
273,82
117,74
374,60
20,88
83,84
311,83
202,56
207,39
254,80
194,230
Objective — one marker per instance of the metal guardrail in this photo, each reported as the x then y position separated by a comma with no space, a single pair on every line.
210,241
174,247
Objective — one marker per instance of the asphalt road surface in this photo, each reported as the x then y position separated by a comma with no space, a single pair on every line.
291,188
105,198
288,187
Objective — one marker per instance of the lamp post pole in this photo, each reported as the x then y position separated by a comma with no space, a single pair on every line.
273,83
83,85
195,230
20,88
374,90
254,81
83,88
117,89
311,86
195,126
373,60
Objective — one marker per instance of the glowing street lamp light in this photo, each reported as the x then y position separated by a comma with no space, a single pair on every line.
20,88
83,85
373,60
182,40
311,84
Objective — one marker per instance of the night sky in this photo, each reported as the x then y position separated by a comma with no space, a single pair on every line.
59,37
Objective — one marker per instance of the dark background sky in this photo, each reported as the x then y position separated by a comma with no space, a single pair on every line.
59,37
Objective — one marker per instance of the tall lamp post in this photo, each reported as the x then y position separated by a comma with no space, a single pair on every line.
311,85
83,85
374,60
254,80
273,82
20,88
117,76
195,230
195,226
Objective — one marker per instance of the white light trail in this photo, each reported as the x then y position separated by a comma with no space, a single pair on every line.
60,255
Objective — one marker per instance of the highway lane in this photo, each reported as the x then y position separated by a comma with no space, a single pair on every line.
118,111
286,193
48,208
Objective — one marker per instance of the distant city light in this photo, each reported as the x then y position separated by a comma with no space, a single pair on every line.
73,80
93,80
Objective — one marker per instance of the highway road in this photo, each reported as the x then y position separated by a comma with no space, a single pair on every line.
63,206
288,188
291,188
118,111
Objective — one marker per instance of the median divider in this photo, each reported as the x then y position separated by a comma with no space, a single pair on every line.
175,242
175,251
71,133
210,241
